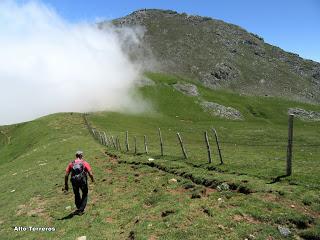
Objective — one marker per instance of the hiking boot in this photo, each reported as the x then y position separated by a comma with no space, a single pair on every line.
79,212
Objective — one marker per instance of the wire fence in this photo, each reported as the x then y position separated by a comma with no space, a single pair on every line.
265,159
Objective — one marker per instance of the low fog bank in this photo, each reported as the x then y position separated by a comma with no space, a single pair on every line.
49,65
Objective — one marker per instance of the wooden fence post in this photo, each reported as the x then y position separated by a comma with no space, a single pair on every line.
161,142
127,141
100,137
96,134
135,145
113,143
218,145
118,143
105,138
182,147
102,141
86,121
110,141
145,144
289,148
208,146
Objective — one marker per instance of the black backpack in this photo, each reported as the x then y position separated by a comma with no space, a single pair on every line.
78,173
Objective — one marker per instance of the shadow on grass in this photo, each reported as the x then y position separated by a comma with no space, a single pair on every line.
278,179
71,215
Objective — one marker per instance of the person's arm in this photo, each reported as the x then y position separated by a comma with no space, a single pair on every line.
91,175
66,187
89,171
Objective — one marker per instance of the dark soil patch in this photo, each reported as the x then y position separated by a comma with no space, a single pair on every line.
302,223
188,186
309,235
207,191
244,190
195,195
208,211
246,218
167,212
131,236
109,220
177,191
152,237
211,183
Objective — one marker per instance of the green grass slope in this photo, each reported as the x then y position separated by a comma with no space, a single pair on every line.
32,166
134,198
264,130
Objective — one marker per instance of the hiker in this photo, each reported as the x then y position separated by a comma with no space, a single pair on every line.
79,169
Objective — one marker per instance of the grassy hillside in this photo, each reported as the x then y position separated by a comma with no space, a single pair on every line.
134,198
263,130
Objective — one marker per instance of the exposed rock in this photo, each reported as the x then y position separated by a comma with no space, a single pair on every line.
284,231
172,180
222,227
304,114
82,238
218,110
316,73
223,187
68,207
187,89
251,236
222,74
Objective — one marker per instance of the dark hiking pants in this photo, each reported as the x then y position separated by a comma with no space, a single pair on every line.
80,201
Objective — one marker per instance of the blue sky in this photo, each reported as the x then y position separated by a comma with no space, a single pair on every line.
292,25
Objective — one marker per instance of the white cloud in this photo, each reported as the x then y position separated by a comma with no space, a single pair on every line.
49,65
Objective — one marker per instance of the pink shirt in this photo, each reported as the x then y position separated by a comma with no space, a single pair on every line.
86,165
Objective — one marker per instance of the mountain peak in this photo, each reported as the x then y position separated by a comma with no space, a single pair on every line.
224,55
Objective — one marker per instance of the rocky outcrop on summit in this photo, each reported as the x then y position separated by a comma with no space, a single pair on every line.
221,74
222,55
